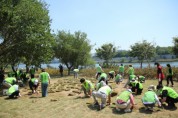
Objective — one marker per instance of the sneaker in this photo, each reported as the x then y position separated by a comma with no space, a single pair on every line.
127,110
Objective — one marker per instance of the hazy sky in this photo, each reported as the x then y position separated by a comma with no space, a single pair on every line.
121,22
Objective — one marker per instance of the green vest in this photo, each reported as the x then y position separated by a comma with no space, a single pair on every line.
86,85
132,77
168,73
12,89
112,72
98,69
118,77
105,89
124,96
121,68
103,75
141,78
171,92
10,80
131,71
149,96
44,77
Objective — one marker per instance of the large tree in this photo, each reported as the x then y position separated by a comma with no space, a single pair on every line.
106,52
175,47
73,50
25,32
143,51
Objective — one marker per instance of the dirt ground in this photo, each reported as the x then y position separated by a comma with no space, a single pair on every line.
65,101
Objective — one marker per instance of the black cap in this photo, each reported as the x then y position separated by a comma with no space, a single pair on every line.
82,80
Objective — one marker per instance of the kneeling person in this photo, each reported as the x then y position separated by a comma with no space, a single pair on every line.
13,91
33,84
87,87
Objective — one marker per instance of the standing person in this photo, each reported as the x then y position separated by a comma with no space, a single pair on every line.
32,71
168,95
87,87
61,70
13,91
169,75
33,84
125,100
160,74
121,70
99,70
103,93
45,80
150,98
76,73
130,71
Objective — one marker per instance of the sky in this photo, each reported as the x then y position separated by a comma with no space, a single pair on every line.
120,22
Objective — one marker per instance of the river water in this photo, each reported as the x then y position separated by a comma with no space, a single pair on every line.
135,65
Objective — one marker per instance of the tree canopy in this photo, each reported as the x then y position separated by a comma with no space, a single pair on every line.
25,32
73,50
142,50
106,52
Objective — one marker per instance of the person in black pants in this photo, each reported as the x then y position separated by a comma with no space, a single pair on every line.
169,75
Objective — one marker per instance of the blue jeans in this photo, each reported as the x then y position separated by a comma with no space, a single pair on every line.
44,89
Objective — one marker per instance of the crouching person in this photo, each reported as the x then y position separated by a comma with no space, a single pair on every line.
87,87
125,101
13,91
150,98
34,83
103,93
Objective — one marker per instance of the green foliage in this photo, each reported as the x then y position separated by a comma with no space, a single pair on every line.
106,52
73,49
143,51
175,47
25,32
163,50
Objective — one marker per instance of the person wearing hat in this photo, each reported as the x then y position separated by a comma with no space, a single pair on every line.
150,98
45,81
125,100
137,87
103,93
167,95
87,87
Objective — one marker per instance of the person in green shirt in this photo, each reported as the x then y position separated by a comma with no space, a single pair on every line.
121,70
104,93
87,87
137,87
14,92
167,95
33,84
130,71
45,81
111,74
125,100
9,81
169,75
99,70
150,98
141,78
